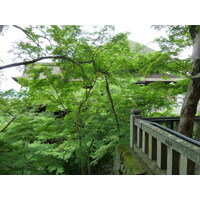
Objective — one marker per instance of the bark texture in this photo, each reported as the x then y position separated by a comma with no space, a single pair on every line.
189,110
192,97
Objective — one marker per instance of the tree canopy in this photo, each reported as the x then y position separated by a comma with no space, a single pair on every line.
68,121
179,37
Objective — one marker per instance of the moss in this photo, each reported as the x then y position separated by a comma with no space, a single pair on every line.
130,162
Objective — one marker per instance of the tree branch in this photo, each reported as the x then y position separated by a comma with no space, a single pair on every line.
185,69
43,58
112,104
26,32
34,40
2,130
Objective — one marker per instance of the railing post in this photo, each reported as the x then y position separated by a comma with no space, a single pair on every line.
145,140
133,128
139,137
183,165
188,167
150,148
169,161
159,156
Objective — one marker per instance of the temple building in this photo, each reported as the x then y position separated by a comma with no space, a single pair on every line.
167,79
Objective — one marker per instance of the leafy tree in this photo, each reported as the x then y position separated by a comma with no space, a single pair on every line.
179,37
69,122
72,89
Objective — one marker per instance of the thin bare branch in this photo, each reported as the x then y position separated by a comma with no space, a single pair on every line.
2,130
184,68
24,31
112,103
42,58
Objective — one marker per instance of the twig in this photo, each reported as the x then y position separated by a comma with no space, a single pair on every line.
2,130
43,58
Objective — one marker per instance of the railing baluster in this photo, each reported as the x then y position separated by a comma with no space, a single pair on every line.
183,165
159,156
150,150
139,138
132,126
186,166
169,160
144,142
135,138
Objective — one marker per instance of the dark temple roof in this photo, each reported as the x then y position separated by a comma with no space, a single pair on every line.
168,78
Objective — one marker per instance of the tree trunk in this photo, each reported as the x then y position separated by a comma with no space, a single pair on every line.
1,28
112,104
189,110
192,97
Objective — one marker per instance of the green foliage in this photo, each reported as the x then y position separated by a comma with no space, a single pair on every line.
177,38
88,131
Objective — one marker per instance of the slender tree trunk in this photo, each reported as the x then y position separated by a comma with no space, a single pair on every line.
189,110
192,97
2,130
112,104
1,28
79,127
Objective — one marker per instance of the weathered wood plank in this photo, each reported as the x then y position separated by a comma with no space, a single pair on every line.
169,161
144,142
183,165
132,131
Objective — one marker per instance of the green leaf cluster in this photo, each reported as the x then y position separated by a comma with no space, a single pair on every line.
93,98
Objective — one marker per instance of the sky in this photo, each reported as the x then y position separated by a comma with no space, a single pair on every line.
141,33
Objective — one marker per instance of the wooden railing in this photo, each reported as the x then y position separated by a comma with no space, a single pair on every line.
161,148
173,123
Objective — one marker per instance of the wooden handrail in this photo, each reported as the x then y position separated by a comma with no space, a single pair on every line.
155,119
